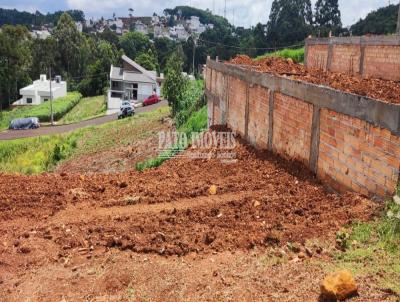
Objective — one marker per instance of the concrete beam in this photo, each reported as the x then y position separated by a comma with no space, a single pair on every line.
378,113
393,40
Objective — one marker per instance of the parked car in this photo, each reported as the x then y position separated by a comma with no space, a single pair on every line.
153,99
126,111
125,104
24,123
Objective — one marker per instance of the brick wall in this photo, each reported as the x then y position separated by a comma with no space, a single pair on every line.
317,56
346,58
258,116
382,62
237,96
355,155
292,128
371,57
350,142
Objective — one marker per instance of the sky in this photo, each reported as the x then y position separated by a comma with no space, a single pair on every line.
239,12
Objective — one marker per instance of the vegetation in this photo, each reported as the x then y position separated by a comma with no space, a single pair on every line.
373,248
175,83
328,17
42,154
380,22
86,109
14,17
197,122
61,106
191,116
289,22
297,55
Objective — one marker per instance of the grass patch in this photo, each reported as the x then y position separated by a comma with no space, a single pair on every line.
197,122
297,55
86,109
61,106
42,154
373,249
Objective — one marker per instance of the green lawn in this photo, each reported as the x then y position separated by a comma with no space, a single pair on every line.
60,107
297,55
86,109
41,154
372,249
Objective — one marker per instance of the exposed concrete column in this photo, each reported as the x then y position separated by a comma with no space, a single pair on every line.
315,132
246,125
271,119
330,56
362,59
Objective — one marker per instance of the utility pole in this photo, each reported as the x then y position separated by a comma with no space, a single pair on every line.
225,10
51,101
398,21
194,51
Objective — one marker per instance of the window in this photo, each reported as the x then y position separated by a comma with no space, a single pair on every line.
46,100
135,85
115,85
29,100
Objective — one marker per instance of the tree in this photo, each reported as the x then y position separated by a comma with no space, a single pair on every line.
164,47
147,60
260,39
72,46
290,22
96,79
327,16
379,22
44,55
134,43
15,58
175,82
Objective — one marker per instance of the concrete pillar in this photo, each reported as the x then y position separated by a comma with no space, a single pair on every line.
314,152
271,119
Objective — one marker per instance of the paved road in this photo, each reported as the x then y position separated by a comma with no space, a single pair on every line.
14,134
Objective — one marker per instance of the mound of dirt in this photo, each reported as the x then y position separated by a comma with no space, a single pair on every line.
388,91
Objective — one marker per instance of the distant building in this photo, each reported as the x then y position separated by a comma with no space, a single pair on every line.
141,27
131,82
40,34
39,92
179,32
79,26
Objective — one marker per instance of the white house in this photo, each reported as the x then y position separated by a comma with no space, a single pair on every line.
141,27
40,34
39,92
131,82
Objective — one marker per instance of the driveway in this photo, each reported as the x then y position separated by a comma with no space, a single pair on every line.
14,134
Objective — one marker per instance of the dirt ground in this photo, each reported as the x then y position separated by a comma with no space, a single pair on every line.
388,91
159,235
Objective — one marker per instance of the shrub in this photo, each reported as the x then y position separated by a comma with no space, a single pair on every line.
297,55
61,106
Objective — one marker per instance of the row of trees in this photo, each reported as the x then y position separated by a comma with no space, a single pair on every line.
83,60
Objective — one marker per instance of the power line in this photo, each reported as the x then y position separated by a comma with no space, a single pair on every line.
251,48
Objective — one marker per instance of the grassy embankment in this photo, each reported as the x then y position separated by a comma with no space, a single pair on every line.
61,106
87,108
41,154
190,118
297,55
372,249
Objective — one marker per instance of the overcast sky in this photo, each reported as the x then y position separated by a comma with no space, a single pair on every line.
246,12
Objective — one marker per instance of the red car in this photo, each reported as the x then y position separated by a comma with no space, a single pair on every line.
153,99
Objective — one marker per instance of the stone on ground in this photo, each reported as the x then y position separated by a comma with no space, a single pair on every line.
339,285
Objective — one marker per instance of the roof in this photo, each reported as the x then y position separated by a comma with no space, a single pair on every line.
42,87
144,76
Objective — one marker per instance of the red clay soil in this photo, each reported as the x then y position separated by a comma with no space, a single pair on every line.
388,91
54,224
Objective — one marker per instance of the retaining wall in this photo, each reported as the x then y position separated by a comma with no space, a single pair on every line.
369,57
351,142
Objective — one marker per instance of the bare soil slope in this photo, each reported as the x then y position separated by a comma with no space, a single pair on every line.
160,236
